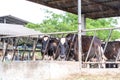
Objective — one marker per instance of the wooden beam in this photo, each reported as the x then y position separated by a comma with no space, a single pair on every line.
5,46
15,45
34,49
25,47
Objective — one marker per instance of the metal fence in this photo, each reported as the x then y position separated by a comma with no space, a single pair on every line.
30,48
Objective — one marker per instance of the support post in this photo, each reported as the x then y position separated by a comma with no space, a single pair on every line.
79,34
34,48
5,21
15,45
83,23
5,46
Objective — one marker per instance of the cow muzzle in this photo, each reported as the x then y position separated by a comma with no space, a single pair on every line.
43,51
62,56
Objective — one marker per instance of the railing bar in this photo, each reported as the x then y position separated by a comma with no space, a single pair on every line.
107,41
87,30
98,29
100,62
90,46
33,35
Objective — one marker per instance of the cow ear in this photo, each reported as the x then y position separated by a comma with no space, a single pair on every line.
50,38
57,38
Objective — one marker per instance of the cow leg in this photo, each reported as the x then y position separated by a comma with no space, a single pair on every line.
72,57
52,58
102,53
56,55
76,57
101,56
43,56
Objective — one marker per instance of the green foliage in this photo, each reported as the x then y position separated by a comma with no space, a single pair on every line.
34,26
69,22
57,23
115,35
102,23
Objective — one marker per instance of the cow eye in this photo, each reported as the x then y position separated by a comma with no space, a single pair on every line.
65,45
59,46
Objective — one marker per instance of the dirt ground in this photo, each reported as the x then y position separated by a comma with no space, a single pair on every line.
91,77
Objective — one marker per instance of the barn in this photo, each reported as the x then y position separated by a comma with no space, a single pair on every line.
9,19
85,9
93,9
13,26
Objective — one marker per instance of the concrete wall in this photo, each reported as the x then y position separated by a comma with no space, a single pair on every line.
37,70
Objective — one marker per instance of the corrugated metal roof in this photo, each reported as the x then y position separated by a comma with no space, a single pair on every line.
13,30
91,8
9,19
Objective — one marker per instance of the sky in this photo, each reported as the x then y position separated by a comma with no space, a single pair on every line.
25,10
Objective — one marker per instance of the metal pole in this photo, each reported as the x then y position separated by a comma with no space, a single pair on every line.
107,41
85,30
90,46
79,34
83,25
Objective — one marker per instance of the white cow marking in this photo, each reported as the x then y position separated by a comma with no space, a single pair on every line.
45,38
62,40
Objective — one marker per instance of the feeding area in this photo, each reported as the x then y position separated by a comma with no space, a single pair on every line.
45,54
27,54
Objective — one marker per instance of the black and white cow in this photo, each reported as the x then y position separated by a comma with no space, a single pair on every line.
63,48
49,47
53,47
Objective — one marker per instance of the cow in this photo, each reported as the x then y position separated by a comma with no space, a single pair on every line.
112,50
63,49
49,47
112,53
95,51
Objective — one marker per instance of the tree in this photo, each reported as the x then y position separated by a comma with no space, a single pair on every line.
69,22
58,23
103,23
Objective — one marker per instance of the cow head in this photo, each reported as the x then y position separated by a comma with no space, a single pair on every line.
63,47
53,43
45,42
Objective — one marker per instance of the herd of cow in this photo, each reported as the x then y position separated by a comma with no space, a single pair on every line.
67,48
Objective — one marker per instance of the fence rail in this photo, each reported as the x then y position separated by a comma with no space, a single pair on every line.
67,32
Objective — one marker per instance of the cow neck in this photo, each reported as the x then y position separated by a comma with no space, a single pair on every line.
73,38
47,45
